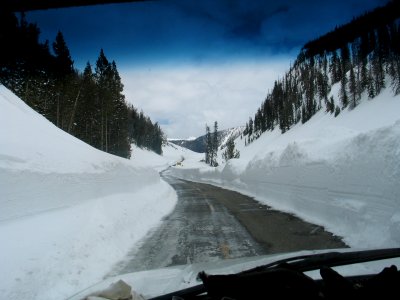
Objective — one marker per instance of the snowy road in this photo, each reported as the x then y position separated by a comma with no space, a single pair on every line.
210,223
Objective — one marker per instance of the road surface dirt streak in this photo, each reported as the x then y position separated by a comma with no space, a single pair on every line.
211,223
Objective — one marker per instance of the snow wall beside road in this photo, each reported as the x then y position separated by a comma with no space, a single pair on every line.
342,173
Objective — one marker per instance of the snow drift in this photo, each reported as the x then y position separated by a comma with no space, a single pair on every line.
342,173
68,212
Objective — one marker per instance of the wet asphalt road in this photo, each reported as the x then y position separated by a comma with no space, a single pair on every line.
210,223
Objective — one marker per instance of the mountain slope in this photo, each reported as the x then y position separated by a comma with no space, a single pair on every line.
68,212
325,142
341,173
199,144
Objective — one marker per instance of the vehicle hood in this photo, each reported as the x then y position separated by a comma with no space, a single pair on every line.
152,283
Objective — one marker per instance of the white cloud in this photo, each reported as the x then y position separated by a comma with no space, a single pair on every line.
184,98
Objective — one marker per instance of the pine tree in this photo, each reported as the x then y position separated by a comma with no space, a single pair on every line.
364,76
394,60
334,68
86,112
353,89
118,133
250,131
371,84
378,75
332,105
322,85
90,106
102,75
113,111
343,91
323,80
394,72
64,64
360,53
345,59
304,117
215,143
337,111
230,151
208,154
65,92
246,130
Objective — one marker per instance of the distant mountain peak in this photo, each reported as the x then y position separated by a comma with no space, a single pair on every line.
199,144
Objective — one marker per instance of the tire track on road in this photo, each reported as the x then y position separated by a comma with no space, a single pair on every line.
210,223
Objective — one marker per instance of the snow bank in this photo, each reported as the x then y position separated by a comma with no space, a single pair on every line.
342,173
30,142
171,155
55,254
68,212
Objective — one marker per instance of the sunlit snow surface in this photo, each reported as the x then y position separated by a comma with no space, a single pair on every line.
342,173
69,212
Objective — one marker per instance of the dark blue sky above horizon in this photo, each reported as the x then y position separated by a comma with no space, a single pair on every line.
195,31
188,63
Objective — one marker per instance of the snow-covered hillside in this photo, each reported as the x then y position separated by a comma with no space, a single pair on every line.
68,212
342,172
232,133
172,154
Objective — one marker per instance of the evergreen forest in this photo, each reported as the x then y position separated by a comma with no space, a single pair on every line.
89,105
363,57
212,143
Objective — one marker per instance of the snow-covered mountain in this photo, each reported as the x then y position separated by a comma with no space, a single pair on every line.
172,154
199,144
234,133
194,144
342,173
68,212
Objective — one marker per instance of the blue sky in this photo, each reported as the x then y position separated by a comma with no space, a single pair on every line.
181,60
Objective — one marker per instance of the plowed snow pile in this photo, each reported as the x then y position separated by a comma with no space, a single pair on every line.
343,172
68,212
